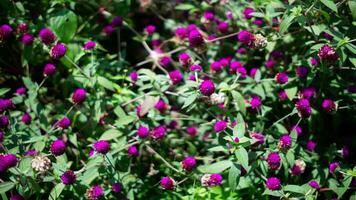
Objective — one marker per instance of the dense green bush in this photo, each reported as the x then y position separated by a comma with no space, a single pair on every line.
184,99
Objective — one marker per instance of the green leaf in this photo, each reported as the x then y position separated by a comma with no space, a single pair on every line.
185,6
234,173
330,4
189,100
291,92
64,23
56,191
125,120
242,156
106,83
286,23
111,134
295,189
240,101
4,91
6,186
216,167
240,129
352,6
272,193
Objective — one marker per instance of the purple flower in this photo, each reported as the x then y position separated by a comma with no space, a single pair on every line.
333,166
189,163
181,32
270,64
274,160
5,32
209,15
282,95
150,29
27,39
4,121
16,197
273,183
132,151
328,36
5,104
344,152
255,102
223,27
31,152
285,142
220,126
253,72
247,12
298,168
192,130
195,38
21,90
89,45
313,61
116,187
184,59
175,76
116,21
47,36
246,37
211,180
314,184
49,69
328,53
258,137
58,147
161,106
79,96
277,55
158,132
234,65
133,76
308,92
195,68
95,192
302,71
311,145
297,129
216,66
242,72
156,43
58,51
7,161
143,131
109,29
258,22
22,28
64,123
207,87
165,61
101,146
241,50
282,78
26,118
68,177
303,107
168,183
329,105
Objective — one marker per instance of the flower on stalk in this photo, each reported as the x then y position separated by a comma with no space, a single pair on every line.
41,164
168,183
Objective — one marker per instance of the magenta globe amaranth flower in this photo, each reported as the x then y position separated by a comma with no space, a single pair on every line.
241,50
47,36
344,151
89,45
247,12
58,51
150,29
302,71
181,33
303,107
255,102
161,106
311,146
258,137
79,96
22,28
297,129
101,146
31,152
282,95
168,183
4,121
195,38
116,187
192,130
95,192
58,147
26,118
117,21
220,126
223,27
16,197
189,163
282,78
7,161
175,76
27,39
134,76
274,160
5,104
314,184
158,132
184,59
132,151
5,32
108,30
258,22
143,131
207,87
64,123
329,105
270,64
333,166
285,142
313,61
246,37
211,180
195,68
49,69
209,15
68,177
165,61
298,168
328,53
21,90
273,183
308,92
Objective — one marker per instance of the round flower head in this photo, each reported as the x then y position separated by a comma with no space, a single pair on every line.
175,76
207,87
333,166
49,69
270,64
168,183
308,92
58,147
282,95
108,30
259,41
192,130
195,68
41,164
189,163
273,183
274,160
143,131
101,146
313,61
234,65
31,152
116,187
79,96
132,151
241,50
258,22
277,55
161,106
303,107
191,78
22,28
242,72
209,15
329,105
220,126
5,32
211,180
27,39
21,90
255,102
7,161
184,59
285,142
282,78
311,145
298,168
327,53
95,192
181,32
64,123
314,184
236,140
216,66
116,21
26,118
134,76
302,71
246,37
150,29
16,197
297,129
68,177
165,61
58,51
156,43
253,72
195,38
89,45
344,152
158,132
4,121
247,12
258,137
47,36
5,104
223,27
